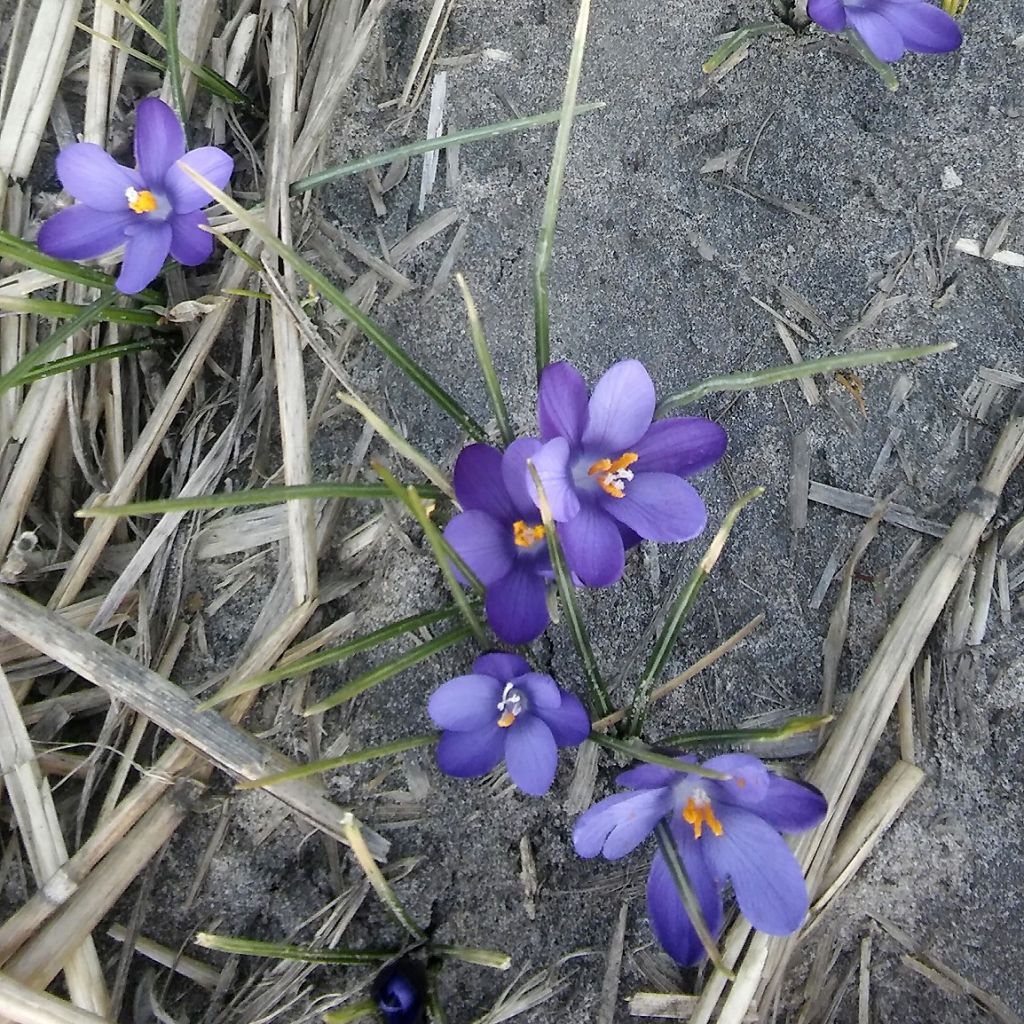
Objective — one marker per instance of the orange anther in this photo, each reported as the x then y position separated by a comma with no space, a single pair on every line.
140,202
526,536
506,720
612,474
699,813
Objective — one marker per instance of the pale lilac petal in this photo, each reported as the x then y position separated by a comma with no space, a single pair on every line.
562,403
478,483
659,506
647,776
465,755
541,690
159,140
766,877
618,824
531,756
95,178
80,232
925,29
503,667
517,607
146,248
749,784
516,476
621,409
190,245
683,445
552,465
792,806
209,161
466,702
484,544
593,546
669,921
569,722
829,14
881,38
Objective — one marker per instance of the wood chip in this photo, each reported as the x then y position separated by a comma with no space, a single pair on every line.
799,481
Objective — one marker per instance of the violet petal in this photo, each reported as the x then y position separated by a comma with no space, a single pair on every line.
621,409
465,755
95,178
190,245
503,667
483,543
145,250
465,703
659,506
184,194
593,546
516,605
159,140
682,445
531,756
81,233
562,403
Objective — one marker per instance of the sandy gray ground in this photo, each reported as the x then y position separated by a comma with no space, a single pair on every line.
656,261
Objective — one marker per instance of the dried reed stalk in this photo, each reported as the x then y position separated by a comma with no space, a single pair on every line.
27,1007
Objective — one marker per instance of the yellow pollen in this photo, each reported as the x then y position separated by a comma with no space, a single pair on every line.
506,720
698,815
140,202
612,474
526,536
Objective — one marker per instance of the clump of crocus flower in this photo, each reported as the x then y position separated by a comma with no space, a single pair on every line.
503,711
724,829
611,474
890,27
155,209
400,993
500,537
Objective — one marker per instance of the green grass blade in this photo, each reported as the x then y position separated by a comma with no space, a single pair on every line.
392,668
680,610
691,904
641,752
332,655
174,65
600,704
356,1012
302,771
55,310
740,38
792,727
83,359
493,958
88,315
483,357
284,951
421,146
390,348
748,380
29,255
241,499
556,177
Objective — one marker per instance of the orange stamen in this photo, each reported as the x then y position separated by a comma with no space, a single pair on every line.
612,474
700,814
140,202
526,536
506,720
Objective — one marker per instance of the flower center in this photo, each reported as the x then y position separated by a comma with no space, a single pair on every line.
511,705
698,813
613,475
140,202
526,536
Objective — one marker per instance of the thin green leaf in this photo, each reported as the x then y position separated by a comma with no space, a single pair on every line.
83,359
302,771
556,177
883,70
421,146
776,374
691,904
600,704
29,255
481,957
18,373
54,310
174,64
739,38
641,752
337,297
330,656
353,1013
442,551
284,951
483,357
241,499
792,727
378,675
680,610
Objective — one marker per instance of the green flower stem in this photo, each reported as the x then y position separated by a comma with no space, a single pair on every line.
600,704
883,70
746,381
418,148
83,359
240,499
680,612
283,951
174,64
355,757
378,675
640,752
740,38
493,958
49,308
691,904
353,1013
792,727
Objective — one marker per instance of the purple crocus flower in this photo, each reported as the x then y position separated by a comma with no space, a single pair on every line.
890,27
505,711
723,829
154,209
399,992
611,475
500,537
